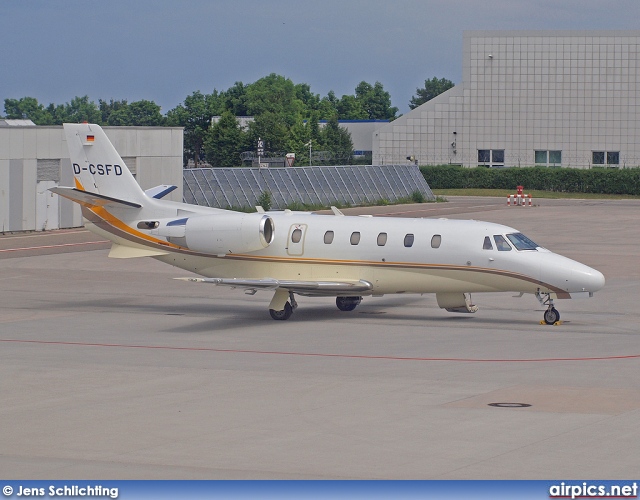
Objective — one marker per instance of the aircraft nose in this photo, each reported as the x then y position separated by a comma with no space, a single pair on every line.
587,278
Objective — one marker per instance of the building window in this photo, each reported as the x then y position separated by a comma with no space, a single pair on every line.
611,157
491,157
548,158
598,157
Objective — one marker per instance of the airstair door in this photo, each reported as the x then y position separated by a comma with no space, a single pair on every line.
295,241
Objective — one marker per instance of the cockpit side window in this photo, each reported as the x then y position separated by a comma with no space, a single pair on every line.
521,242
501,243
487,244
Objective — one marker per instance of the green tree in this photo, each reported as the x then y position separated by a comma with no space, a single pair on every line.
27,108
432,88
328,105
81,109
337,139
59,113
108,108
234,99
224,142
375,101
195,116
350,108
146,114
272,129
276,95
298,139
309,100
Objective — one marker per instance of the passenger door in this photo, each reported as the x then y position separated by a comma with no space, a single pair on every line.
295,239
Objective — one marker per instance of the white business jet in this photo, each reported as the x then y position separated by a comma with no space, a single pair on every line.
290,253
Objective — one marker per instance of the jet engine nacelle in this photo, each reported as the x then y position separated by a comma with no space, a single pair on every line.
216,234
229,233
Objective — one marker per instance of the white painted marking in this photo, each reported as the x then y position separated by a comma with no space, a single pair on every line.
54,246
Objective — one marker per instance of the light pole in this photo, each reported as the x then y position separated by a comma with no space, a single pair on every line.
309,144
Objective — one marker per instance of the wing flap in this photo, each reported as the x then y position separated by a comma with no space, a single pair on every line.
310,288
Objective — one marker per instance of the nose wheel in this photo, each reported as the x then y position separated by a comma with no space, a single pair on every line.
551,315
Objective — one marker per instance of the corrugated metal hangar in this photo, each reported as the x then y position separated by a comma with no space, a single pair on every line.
554,98
35,158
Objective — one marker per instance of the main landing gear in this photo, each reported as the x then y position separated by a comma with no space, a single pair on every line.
551,315
348,303
287,310
284,303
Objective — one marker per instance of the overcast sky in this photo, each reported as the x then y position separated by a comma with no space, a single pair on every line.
163,50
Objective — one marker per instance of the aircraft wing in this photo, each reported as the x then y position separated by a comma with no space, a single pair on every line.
309,288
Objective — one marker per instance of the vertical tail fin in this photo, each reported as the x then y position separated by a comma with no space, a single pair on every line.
97,166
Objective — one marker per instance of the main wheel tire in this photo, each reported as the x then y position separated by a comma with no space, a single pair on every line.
282,315
348,303
551,316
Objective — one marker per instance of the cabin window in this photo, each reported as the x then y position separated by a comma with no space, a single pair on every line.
355,238
521,242
436,240
382,239
296,236
328,237
501,243
487,244
408,240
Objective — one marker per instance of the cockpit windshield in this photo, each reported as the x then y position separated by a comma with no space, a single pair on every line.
521,242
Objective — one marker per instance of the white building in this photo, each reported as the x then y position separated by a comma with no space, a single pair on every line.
556,98
35,158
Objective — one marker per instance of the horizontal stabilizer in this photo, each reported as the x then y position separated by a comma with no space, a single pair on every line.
91,200
310,288
160,191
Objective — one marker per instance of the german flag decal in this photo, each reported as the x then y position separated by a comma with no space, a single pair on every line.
90,138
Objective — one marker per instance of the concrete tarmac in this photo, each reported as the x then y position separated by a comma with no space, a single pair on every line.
109,369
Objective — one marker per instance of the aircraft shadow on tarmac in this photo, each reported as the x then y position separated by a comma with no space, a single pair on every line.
204,315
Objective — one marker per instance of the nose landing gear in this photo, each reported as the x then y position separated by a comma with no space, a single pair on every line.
551,315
